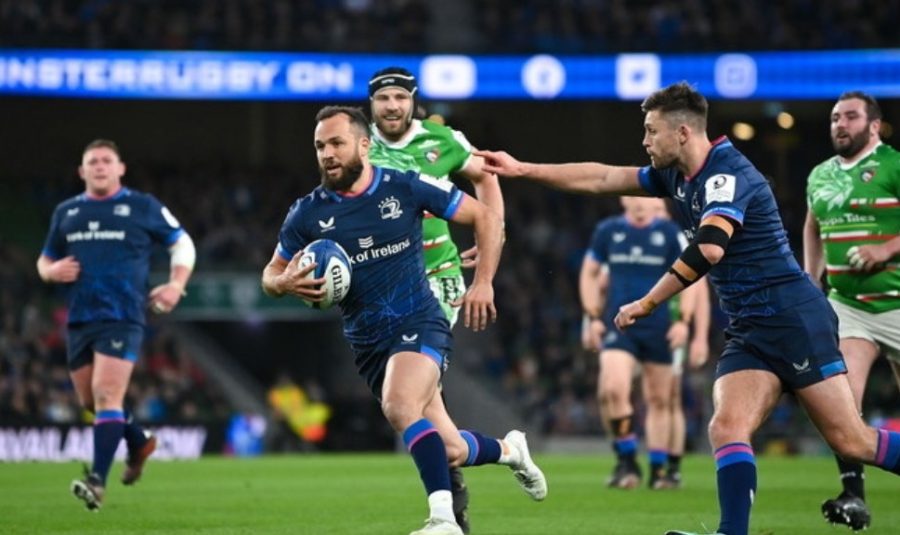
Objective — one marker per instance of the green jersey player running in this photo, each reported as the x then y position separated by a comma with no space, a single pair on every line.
852,233
400,141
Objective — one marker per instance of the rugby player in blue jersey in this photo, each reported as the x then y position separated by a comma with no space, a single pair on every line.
782,333
395,326
99,247
626,256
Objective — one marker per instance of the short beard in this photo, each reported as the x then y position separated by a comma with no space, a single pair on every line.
857,143
658,163
351,174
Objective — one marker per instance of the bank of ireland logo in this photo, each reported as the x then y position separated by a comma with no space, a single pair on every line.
93,225
657,239
390,208
366,243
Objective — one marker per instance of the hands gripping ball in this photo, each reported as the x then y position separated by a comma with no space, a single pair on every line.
333,264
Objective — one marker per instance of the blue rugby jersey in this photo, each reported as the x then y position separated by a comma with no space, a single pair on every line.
637,257
381,230
112,239
758,276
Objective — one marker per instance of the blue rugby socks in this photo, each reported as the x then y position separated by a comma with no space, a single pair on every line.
887,454
427,449
625,441
430,455
482,449
109,427
133,433
736,474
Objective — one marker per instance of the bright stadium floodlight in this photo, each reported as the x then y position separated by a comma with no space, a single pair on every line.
785,120
743,131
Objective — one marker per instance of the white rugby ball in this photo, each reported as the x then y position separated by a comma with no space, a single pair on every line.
332,264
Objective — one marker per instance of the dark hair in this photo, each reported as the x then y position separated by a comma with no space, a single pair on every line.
873,110
357,118
678,97
103,143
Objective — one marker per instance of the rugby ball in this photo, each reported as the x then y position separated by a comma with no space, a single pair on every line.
333,264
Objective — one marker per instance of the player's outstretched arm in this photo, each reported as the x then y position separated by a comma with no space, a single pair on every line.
582,177
487,186
281,278
813,252
705,251
478,301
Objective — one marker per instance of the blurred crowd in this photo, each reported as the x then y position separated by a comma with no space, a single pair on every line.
519,26
585,26
166,386
313,25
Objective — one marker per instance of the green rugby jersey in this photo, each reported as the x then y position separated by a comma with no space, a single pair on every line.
434,150
858,205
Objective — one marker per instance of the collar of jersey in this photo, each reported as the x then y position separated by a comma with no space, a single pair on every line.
414,129
373,185
122,192
719,143
846,166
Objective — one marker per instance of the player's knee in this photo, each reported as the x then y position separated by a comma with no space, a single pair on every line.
106,397
659,402
725,429
400,413
613,396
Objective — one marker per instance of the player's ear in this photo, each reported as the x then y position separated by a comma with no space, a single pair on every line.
81,172
684,133
875,127
364,143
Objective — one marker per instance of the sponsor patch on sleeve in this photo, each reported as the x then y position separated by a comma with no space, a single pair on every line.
720,188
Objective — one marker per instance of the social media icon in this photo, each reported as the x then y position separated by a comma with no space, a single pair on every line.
637,75
543,76
448,76
735,75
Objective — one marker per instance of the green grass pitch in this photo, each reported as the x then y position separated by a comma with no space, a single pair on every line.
381,494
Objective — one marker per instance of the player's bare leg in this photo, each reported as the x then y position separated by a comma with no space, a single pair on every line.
849,506
614,391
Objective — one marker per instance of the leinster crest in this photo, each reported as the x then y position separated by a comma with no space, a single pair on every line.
390,208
